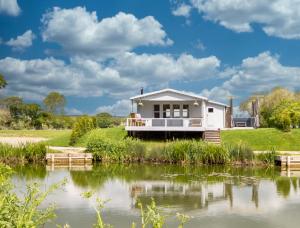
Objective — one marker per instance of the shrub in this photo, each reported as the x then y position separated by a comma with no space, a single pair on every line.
104,120
81,126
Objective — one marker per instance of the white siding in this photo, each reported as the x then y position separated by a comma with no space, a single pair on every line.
217,118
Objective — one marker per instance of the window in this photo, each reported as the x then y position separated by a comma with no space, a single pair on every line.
166,111
156,111
176,110
211,110
185,111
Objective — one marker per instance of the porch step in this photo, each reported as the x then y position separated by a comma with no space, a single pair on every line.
212,136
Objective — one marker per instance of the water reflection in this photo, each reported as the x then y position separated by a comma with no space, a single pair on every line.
199,191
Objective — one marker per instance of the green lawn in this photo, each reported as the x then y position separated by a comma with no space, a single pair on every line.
264,139
55,137
259,139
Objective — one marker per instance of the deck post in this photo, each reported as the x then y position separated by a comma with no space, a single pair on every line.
288,161
70,159
52,158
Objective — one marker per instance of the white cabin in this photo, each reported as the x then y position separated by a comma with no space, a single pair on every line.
171,110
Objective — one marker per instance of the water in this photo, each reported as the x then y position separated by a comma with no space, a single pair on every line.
214,196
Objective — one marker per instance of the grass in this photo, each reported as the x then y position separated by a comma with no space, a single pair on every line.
258,139
264,139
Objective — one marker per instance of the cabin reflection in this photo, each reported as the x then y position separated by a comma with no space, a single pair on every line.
196,195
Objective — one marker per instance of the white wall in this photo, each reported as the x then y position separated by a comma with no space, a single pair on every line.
217,118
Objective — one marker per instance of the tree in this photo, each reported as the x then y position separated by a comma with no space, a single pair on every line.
104,120
3,82
55,102
9,101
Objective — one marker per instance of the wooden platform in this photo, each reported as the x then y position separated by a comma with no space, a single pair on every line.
212,136
69,158
288,161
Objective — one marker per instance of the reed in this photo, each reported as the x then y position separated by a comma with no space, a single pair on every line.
24,153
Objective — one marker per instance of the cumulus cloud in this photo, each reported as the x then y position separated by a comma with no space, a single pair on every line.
9,7
162,68
257,74
86,77
33,79
120,108
80,32
21,42
182,10
278,18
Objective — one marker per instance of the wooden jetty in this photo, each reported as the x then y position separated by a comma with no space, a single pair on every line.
69,158
288,161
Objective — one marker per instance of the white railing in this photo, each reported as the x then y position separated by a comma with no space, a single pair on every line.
164,122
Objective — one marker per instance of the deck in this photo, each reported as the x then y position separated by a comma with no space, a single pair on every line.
167,124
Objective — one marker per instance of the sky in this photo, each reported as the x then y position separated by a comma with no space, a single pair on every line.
100,53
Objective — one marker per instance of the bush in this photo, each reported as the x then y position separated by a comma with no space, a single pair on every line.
82,126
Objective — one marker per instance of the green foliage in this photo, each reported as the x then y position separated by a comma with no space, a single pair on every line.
3,82
240,152
104,120
23,153
82,126
268,157
23,211
134,150
55,102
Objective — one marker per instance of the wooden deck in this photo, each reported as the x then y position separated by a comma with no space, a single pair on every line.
288,161
69,158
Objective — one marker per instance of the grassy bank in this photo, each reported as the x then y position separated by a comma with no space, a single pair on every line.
258,139
264,139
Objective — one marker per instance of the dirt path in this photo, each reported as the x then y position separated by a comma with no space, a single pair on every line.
15,141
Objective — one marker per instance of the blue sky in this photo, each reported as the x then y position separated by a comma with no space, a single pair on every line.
99,53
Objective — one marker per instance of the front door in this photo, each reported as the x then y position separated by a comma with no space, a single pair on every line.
212,119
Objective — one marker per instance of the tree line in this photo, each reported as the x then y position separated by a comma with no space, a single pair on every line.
17,114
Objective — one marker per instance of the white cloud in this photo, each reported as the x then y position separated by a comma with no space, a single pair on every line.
162,68
73,111
9,7
257,74
182,10
80,32
33,79
278,18
120,108
21,42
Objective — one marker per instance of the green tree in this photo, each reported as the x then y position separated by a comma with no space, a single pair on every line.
104,120
3,82
9,101
55,102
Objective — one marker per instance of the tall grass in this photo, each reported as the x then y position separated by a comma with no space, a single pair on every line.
23,153
134,150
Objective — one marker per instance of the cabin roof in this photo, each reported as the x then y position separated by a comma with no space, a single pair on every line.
187,94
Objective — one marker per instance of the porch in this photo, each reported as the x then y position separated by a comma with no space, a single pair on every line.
165,124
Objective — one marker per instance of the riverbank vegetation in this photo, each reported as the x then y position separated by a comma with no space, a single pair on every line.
27,153
129,150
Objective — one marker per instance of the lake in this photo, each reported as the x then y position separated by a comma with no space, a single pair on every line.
215,196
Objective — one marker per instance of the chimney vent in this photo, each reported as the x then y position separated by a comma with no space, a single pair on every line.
142,90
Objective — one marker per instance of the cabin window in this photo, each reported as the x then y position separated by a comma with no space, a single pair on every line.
185,111
176,110
156,111
211,110
166,111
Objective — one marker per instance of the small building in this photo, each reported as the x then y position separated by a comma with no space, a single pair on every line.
173,111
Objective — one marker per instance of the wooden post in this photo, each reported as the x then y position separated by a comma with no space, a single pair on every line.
288,161
52,158
70,158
